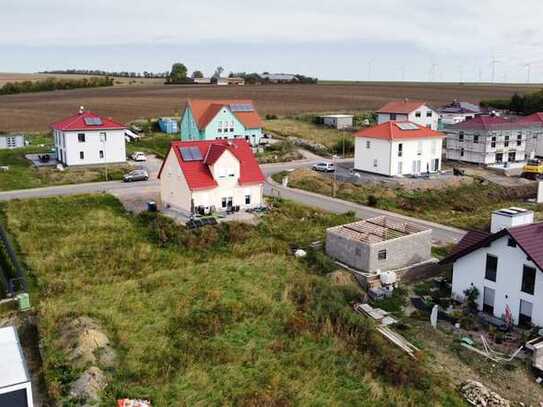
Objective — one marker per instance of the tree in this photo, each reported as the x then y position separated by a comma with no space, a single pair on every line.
517,103
178,73
197,74
218,72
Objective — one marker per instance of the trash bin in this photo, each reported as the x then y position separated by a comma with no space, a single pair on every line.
151,206
23,301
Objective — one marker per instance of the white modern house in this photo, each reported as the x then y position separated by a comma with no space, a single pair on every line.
15,384
398,149
407,110
211,176
9,141
89,139
457,112
505,266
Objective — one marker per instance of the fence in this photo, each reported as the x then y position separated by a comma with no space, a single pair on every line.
12,277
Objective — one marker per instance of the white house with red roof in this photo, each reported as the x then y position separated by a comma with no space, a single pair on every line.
398,149
89,139
205,119
211,176
505,266
409,110
535,123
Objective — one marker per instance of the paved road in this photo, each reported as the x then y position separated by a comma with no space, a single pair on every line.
440,234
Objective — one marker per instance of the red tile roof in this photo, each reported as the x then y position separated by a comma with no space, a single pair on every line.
471,238
77,123
401,106
485,123
391,131
198,174
205,110
534,118
528,237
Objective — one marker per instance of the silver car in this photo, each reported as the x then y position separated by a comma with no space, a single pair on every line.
324,166
136,175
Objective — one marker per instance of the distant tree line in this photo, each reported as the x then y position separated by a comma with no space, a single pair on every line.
520,104
254,78
11,88
98,72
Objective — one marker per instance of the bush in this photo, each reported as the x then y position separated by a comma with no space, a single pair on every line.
271,117
372,200
49,84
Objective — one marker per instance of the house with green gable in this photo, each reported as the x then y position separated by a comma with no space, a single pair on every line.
221,120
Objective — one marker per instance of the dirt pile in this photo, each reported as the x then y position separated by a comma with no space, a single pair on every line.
87,347
478,394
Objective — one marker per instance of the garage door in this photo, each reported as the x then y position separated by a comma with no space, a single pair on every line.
14,399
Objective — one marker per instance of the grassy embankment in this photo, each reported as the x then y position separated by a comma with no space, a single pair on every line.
22,174
221,316
467,206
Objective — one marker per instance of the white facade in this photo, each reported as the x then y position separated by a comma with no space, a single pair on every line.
12,141
90,147
15,384
455,118
423,116
398,157
175,191
470,270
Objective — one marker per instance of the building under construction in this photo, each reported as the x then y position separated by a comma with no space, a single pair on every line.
379,243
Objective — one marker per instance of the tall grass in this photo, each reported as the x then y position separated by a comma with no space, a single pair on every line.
222,316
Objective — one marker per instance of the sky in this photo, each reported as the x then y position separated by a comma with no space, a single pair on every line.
417,40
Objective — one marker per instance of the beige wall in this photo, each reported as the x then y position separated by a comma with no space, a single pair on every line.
174,191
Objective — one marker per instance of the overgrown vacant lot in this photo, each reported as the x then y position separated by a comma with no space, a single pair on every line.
311,132
466,206
34,112
222,316
22,174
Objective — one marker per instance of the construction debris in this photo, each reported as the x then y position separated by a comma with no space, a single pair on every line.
89,386
133,403
489,353
478,394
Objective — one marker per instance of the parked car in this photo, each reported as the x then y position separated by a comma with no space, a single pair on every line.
136,175
324,167
138,156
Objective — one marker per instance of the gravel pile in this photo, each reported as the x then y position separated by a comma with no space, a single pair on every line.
479,395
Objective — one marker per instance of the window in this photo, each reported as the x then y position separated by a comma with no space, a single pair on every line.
11,142
400,150
103,137
528,280
488,300
231,172
418,114
81,155
101,154
493,142
461,137
221,173
358,251
231,127
525,314
476,139
519,139
400,167
506,142
491,267
81,137
429,114
382,255
368,144
247,199
511,243
226,202
392,116
461,152
375,163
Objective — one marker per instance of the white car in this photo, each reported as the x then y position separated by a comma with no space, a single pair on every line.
139,156
324,166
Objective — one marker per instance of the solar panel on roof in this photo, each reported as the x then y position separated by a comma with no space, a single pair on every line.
93,121
190,153
407,126
241,107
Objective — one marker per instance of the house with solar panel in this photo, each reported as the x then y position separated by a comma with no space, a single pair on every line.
89,139
505,266
211,176
221,120
398,149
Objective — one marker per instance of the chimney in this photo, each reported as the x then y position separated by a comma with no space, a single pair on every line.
81,109
510,218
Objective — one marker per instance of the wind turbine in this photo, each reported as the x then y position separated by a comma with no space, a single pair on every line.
433,70
494,62
529,66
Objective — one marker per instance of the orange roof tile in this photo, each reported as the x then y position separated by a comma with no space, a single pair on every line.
392,130
204,110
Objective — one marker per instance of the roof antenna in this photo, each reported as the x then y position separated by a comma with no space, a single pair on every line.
81,109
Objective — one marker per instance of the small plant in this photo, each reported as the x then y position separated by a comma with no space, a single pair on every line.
471,294
271,117
372,200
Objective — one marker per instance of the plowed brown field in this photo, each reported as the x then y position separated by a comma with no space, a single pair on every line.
34,111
